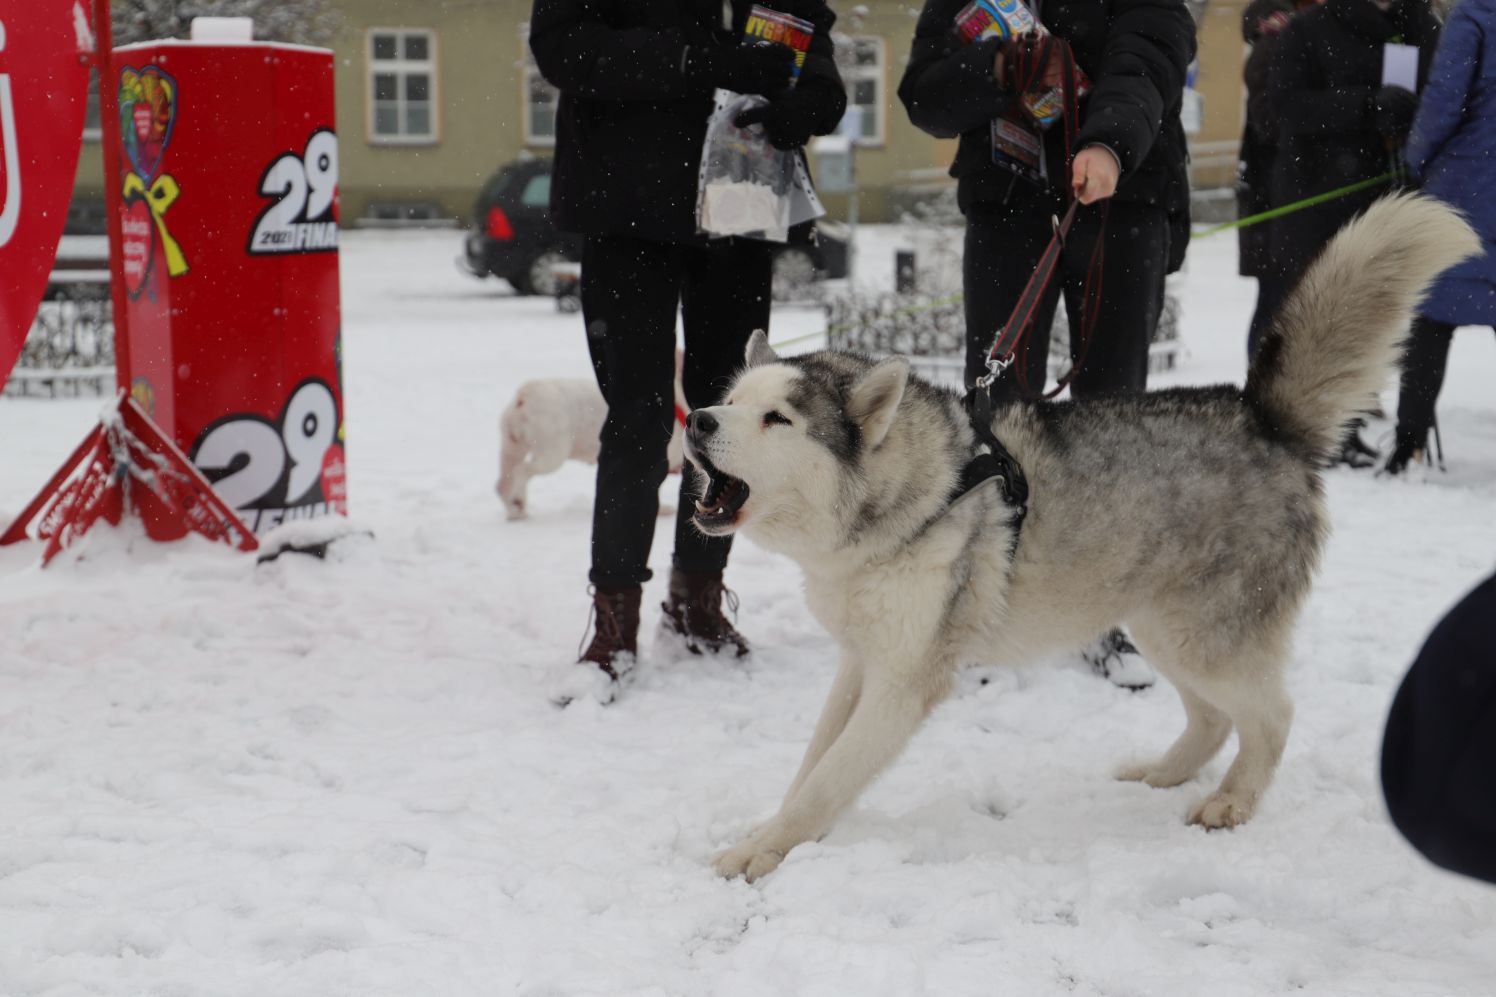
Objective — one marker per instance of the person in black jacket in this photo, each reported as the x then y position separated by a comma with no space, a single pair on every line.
1439,751
1339,123
636,82
1130,152
1261,24
1336,122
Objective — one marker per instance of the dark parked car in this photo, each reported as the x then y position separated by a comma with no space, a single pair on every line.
513,238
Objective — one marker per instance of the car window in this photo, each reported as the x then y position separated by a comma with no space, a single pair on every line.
537,193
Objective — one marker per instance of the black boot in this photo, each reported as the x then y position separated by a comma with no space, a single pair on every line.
1115,659
693,613
1354,452
1409,450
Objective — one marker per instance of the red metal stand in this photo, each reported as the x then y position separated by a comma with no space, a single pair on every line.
126,463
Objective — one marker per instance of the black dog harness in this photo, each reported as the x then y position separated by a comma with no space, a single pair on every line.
993,463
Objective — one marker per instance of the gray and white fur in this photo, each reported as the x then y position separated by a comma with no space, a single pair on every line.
1194,516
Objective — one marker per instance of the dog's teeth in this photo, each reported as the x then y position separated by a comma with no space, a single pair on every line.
700,507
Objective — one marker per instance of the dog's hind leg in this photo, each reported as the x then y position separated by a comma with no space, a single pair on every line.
884,718
1206,729
1259,707
1206,726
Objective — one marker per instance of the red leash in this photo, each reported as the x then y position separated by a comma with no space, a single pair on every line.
1013,338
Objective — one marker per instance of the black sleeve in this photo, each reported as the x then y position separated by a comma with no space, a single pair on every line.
1260,117
948,87
820,85
580,53
1301,104
1149,45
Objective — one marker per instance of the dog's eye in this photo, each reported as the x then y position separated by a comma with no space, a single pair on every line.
772,418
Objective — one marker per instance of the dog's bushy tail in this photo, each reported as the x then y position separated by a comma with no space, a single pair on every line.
1340,331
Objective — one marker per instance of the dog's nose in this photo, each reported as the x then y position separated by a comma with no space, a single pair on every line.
701,423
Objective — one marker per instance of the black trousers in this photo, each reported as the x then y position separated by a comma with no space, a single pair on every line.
1271,293
1424,362
1003,245
631,290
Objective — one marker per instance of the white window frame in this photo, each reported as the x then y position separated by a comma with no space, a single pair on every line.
402,67
529,73
852,73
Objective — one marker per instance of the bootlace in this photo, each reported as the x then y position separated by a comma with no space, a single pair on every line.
607,625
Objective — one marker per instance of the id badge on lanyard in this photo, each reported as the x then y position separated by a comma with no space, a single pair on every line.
1017,144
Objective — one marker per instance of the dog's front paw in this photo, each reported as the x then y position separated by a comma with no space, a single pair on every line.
1221,809
751,858
1151,774
746,861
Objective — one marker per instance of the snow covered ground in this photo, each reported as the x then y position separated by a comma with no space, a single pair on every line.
327,778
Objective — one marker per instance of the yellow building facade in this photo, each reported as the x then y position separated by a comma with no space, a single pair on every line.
433,96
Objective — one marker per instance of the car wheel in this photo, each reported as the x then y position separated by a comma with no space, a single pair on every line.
794,274
536,277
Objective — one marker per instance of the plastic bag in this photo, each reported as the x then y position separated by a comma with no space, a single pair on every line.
746,186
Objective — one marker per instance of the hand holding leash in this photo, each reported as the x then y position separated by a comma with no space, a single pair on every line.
1094,174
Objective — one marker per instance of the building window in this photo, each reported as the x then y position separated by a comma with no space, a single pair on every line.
863,72
402,86
540,107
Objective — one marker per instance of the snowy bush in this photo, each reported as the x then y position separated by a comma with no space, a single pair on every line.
304,22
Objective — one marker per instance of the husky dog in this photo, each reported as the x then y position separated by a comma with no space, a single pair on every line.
553,420
1194,516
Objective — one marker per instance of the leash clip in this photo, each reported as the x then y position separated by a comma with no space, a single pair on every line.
996,367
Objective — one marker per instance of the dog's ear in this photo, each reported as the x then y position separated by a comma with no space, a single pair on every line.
759,351
875,398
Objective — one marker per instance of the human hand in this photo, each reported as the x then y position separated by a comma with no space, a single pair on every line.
1273,23
1014,66
786,120
1392,111
1094,174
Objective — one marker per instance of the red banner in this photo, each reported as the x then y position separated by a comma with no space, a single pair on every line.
227,203
45,50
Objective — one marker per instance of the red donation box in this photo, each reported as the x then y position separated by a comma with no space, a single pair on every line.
228,203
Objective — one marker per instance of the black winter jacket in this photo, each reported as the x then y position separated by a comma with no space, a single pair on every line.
1259,140
1135,52
1326,68
630,126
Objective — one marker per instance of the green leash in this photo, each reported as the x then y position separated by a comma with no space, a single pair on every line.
1262,216
1307,202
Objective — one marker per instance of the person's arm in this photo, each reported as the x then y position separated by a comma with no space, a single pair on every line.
820,95
816,103
1441,109
1260,116
580,53
1301,104
949,88
1149,45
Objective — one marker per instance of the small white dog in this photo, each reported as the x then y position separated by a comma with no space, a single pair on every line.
552,420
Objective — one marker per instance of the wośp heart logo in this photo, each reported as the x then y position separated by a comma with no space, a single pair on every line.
147,109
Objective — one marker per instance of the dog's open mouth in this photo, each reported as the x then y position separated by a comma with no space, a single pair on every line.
724,496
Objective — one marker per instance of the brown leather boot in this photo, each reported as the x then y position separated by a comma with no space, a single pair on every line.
693,613
615,634
610,655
